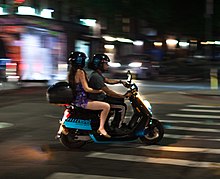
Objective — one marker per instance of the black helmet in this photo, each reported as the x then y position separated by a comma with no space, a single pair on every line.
77,59
97,61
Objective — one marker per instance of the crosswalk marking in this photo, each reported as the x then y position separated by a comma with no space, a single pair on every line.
5,125
181,149
191,137
59,175
192,122
201,110
165,161
173,161
202,106
193,129
199,122
194,116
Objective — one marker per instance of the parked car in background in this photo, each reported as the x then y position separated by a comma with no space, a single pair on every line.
140,65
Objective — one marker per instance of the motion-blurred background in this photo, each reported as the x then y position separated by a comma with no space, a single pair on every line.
154,39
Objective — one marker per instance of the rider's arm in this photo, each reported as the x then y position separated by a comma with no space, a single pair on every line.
112,81
83,80
111,93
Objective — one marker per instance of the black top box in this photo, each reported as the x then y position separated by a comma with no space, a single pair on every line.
60,93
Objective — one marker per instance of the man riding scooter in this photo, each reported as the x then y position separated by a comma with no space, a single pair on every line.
99,65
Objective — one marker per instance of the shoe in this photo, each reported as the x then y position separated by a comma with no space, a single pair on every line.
58,136
105,135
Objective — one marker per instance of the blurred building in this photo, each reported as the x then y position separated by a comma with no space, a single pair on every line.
34,45
41,33
109,18
50,29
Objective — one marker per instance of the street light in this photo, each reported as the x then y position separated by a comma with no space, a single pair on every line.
171,43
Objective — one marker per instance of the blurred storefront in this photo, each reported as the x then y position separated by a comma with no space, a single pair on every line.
33,48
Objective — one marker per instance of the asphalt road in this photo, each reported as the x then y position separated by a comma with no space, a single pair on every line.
189,149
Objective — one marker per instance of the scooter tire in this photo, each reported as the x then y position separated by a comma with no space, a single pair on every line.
154,134
68,142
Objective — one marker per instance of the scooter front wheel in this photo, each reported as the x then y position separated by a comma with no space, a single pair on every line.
154,132
69,142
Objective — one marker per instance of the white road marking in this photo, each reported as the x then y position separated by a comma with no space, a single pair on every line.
201,110
165,161
193,129
194,116
52,116
192,122
203,106
5,125
181,149
59,175
191,137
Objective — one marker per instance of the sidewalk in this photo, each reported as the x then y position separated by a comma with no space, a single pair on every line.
4,86
9,86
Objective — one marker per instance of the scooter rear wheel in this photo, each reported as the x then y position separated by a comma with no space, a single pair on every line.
69,142
153,133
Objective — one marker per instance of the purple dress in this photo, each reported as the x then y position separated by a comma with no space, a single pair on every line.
81,96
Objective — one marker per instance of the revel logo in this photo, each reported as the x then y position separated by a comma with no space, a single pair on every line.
78,123
81,121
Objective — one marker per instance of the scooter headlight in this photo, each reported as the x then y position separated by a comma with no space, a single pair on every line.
148,105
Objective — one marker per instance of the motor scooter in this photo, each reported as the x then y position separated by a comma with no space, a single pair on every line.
79,126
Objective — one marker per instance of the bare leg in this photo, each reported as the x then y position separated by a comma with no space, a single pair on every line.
105,107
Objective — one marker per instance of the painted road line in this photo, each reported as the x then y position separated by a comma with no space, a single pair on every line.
192,129
194,116
143,159
192,122
5,125
191,137
203,106
201,110
52,116
208,122
59,175
181,149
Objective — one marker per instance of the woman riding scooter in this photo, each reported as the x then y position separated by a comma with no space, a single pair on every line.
79,126
79,83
